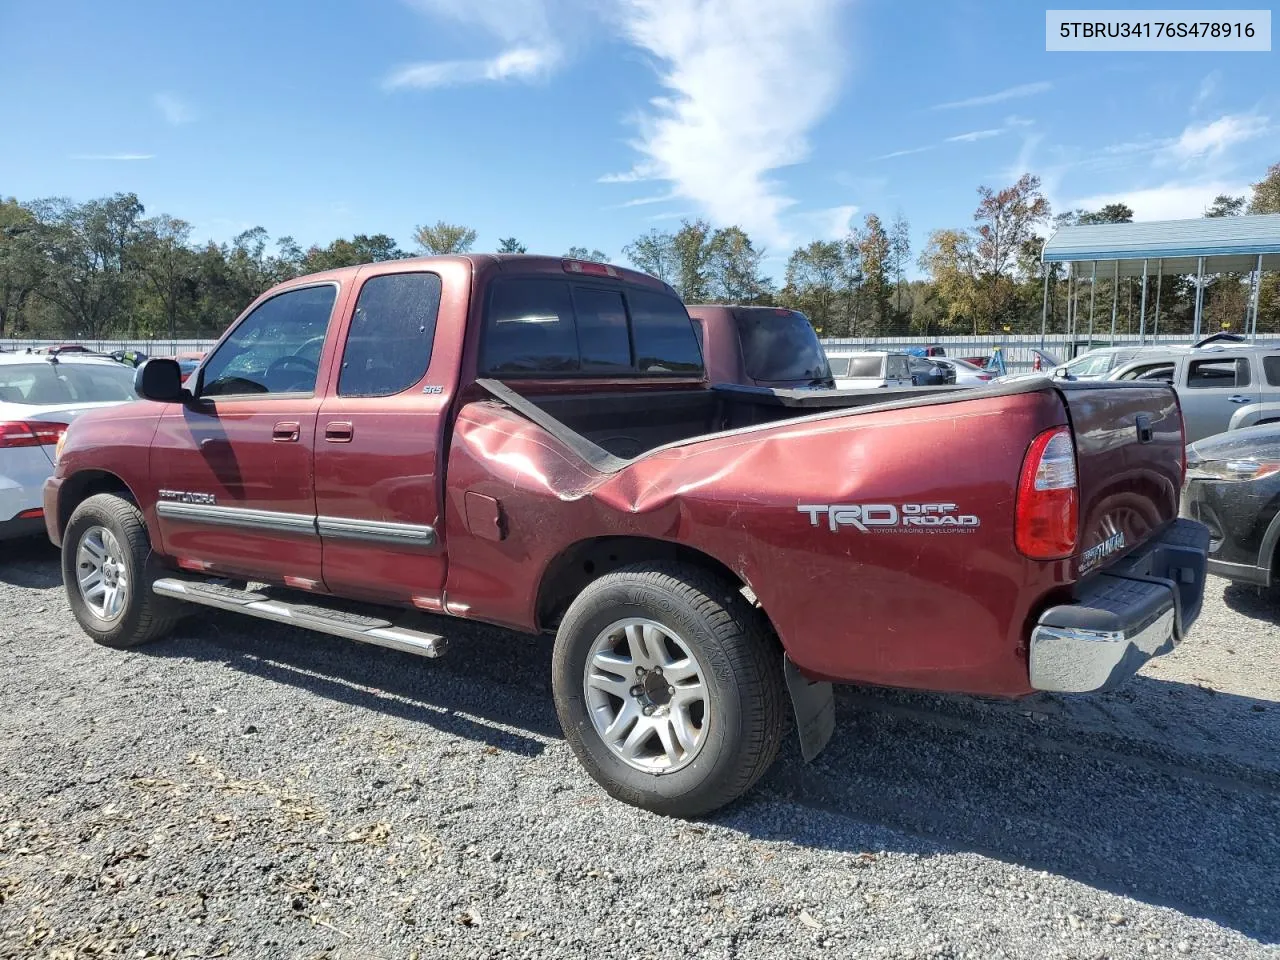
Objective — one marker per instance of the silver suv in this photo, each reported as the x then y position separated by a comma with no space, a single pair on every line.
1221,387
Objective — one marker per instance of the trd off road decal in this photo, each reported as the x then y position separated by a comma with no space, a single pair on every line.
890,517
1095,555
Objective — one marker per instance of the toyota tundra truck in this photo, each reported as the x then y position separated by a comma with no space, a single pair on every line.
533,442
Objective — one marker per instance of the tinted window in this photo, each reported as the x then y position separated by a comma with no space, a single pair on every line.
45,384
1150,371
839,366
529,328
389,342
1271,367
603,341
276,348
663,334
1202,374
898,368
866,366
780,345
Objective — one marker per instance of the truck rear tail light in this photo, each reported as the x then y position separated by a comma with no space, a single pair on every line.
589,268
1047,517
35,433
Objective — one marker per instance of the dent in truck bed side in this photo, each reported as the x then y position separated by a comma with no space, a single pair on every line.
919,602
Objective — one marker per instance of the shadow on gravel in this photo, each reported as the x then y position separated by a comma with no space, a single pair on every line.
466,693
1252,602
1151,819
30,562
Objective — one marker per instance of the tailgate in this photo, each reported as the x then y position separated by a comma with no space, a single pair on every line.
1129,451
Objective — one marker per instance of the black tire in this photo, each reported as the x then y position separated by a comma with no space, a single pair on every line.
742,673
144,616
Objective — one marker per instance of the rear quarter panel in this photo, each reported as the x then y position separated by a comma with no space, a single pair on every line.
918,608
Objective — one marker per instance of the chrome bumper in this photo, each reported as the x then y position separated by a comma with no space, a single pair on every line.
1140,607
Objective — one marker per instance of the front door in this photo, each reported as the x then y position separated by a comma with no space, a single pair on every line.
234,466
380,445
1212,389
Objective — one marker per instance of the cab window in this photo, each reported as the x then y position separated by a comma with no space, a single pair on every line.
275,349
389,341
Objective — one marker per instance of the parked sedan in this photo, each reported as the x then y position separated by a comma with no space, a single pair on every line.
964,372
928,372
1233,488
39,396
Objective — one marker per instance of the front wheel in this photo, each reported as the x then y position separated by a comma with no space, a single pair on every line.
669,688
106,570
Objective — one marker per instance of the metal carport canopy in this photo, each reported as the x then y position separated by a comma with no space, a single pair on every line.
1228,245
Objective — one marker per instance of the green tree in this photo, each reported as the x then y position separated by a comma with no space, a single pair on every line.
899,254
875,249
813,284
655,254
511,245
1225,205
1111,213
362,248
21,266
951,262
591,256
734,274
682,259
89,273
443,238
163,257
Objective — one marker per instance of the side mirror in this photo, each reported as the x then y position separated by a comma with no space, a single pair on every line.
1060,373
159,379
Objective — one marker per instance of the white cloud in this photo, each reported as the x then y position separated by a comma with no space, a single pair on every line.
1208,87
173,108
835,222
746,81
1171,201
113,156
1011,93
903,153
531,48
1210,140
517,63
975,135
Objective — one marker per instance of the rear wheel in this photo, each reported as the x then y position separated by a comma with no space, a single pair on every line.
669,688
107,572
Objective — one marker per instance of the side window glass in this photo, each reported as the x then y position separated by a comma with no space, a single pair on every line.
1271,369
275,349
663,334
389,341
529,328
1206,374
603,341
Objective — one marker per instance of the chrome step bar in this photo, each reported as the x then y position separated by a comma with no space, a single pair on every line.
307,616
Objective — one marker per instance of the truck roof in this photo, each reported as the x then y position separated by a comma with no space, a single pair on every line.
485,263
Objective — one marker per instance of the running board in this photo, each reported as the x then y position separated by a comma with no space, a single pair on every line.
338,623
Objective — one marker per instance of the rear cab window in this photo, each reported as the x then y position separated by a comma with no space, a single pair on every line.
779,345
536,326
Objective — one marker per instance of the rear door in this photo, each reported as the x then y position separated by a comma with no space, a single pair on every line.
379,443
1212,388
897,373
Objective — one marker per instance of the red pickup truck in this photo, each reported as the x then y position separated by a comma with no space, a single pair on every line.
533,442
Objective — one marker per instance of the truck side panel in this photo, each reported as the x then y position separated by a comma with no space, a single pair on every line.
879,553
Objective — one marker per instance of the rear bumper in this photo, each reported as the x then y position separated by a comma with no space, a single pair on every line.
1140,607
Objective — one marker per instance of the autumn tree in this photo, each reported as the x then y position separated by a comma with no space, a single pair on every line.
899,254
1266,199
1266,192
951,262
1006,219
443,238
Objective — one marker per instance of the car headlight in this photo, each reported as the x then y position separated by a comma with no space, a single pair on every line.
1231,469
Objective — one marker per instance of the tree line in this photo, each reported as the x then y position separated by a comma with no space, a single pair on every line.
103,269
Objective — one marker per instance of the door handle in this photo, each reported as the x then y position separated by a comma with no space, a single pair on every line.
285,432
1237,398
340,431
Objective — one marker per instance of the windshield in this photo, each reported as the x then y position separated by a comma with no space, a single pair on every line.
51,384
780,345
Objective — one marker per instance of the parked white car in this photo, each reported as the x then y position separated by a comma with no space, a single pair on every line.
39,396
967,374
867,369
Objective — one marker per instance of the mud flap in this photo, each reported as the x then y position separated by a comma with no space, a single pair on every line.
815,709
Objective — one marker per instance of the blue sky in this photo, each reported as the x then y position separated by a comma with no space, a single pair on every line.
589,122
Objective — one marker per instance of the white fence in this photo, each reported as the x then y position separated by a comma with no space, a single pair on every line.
1019,349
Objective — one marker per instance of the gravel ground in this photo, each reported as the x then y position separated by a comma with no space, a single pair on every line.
248,790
